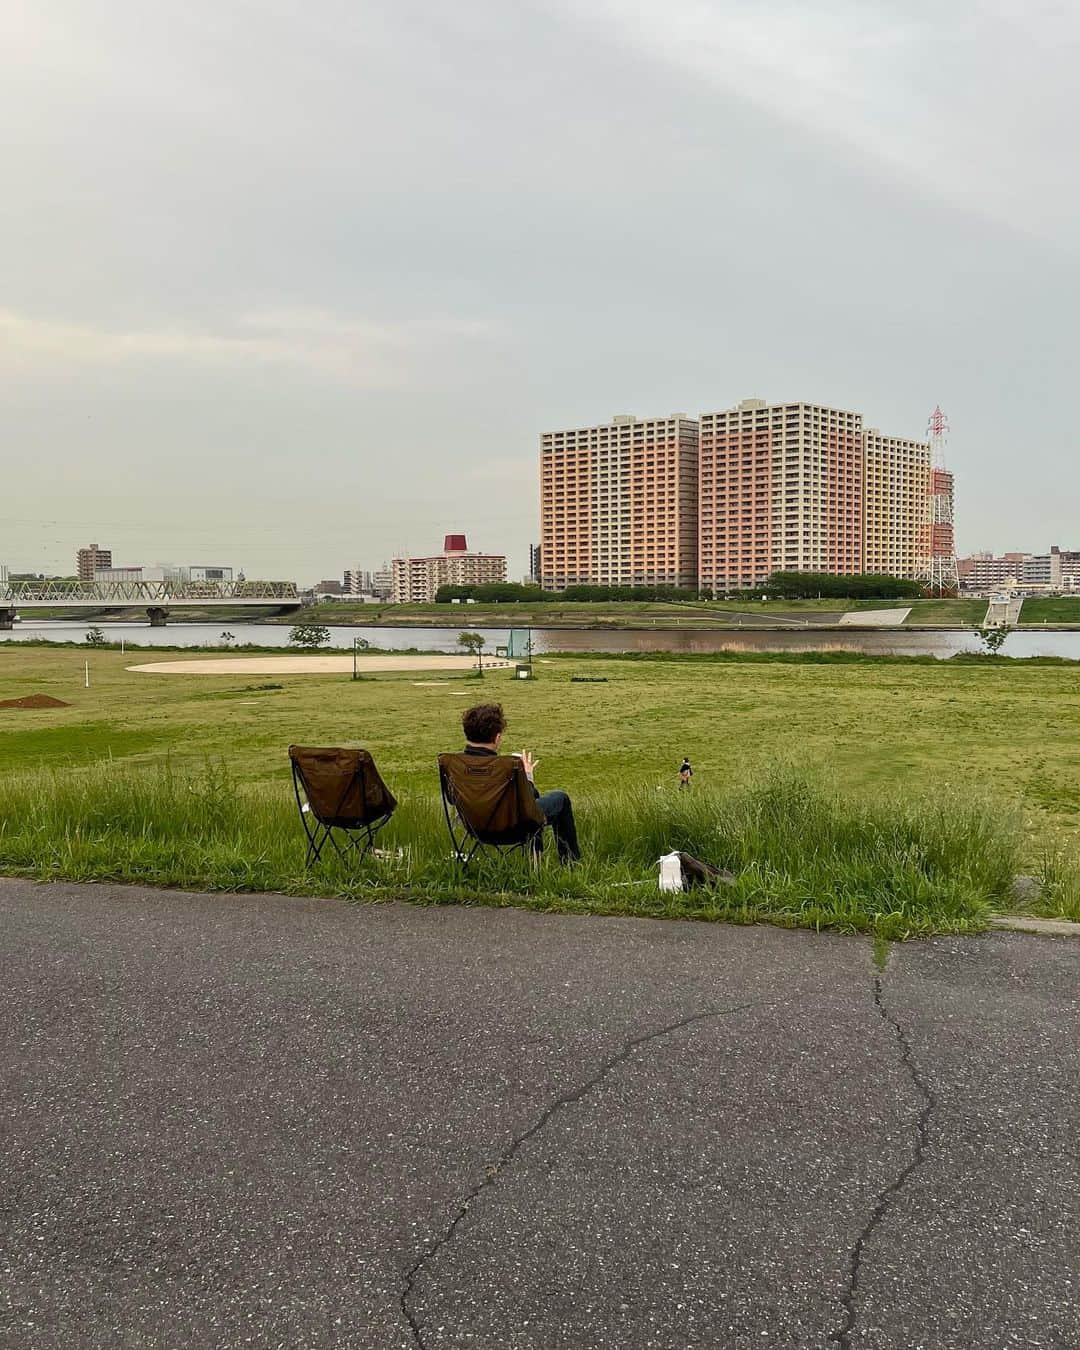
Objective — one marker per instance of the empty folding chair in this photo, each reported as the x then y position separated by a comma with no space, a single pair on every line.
341,799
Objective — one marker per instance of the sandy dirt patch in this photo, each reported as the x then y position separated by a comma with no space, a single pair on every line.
310,665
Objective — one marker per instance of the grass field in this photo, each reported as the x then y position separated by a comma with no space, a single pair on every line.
888,732
1062,609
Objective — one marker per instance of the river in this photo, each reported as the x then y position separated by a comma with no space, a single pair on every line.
892,642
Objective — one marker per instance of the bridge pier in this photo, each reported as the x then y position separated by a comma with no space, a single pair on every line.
7,618
157,615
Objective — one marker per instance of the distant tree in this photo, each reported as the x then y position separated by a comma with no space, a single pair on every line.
95,637
868,586
310,635
227,639
492,593
993,639
474,645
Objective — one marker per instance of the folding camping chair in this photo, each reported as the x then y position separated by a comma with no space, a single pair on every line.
339,790
493,802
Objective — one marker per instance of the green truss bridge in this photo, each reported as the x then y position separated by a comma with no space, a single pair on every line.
156,597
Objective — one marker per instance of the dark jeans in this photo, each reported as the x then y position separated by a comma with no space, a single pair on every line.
560,816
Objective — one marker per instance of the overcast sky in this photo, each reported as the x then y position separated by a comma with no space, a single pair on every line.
294,286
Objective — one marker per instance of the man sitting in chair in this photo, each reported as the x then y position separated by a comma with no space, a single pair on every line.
484,726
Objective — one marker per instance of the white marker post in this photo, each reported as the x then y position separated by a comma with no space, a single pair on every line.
87,684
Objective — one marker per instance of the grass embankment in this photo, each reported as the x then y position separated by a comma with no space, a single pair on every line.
946,613
891,732
557,614
632,613
511,614
802,854
952,612
1062,610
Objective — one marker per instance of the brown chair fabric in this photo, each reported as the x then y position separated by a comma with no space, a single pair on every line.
492,796
343,787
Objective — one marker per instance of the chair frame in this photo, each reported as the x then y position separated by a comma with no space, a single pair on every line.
319,833
532,841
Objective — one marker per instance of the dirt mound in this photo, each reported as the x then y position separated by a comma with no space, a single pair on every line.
35,701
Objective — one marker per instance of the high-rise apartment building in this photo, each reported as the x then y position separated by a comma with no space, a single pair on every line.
91,560
897,491
618,504
782,490
725,501
417,580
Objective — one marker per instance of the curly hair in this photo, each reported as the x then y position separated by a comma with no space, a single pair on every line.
483,723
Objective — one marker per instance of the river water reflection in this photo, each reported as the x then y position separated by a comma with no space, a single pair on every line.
903,642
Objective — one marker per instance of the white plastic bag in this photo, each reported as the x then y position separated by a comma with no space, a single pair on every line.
671,878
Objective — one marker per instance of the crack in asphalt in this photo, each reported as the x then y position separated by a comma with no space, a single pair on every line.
842,1337
567,1099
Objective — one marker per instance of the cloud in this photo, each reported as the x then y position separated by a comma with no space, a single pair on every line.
362,353
974,107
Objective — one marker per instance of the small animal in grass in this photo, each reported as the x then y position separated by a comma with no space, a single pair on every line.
685,773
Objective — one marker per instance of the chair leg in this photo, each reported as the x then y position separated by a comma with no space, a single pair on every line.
459,850
316,843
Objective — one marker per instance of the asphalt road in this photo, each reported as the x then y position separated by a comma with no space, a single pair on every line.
284,1123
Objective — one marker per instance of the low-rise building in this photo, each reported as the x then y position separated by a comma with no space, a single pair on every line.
1057,571
356,581
362,583
113,574
180,574
205,572
416,581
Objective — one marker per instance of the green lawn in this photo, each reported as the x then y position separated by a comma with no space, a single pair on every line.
1062,609
1007,730
947,612
1012,728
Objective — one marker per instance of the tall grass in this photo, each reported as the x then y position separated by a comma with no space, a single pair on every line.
803,852
1058,895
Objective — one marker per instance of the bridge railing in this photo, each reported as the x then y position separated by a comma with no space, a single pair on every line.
144,592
